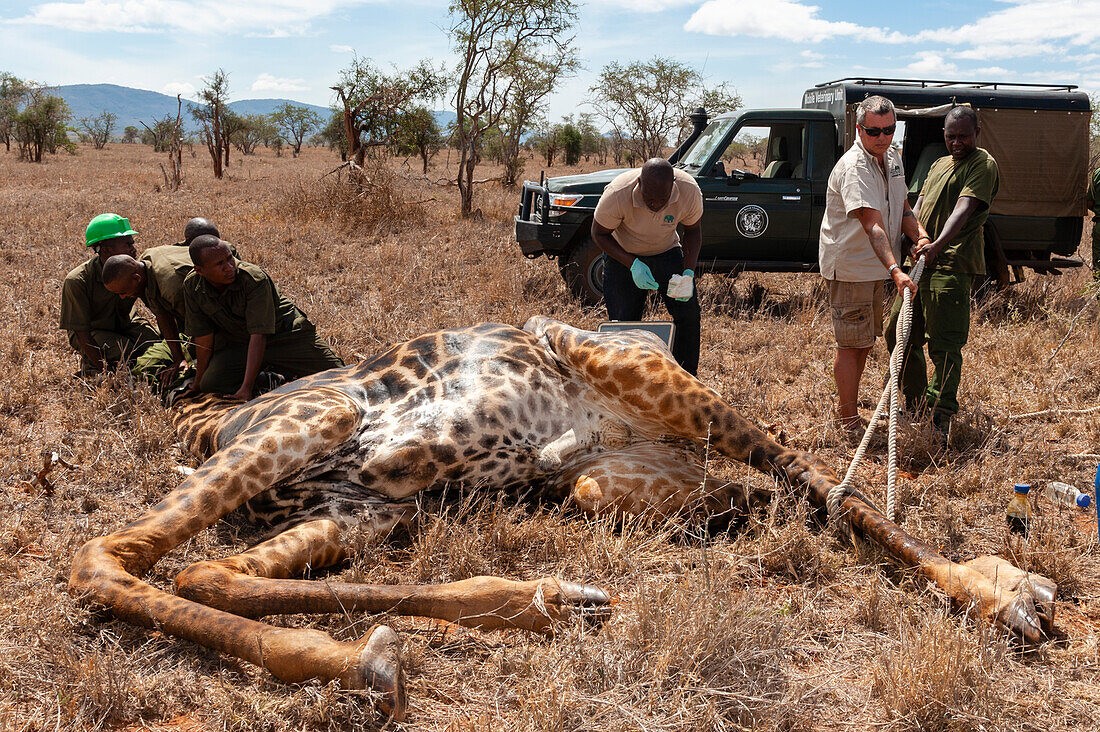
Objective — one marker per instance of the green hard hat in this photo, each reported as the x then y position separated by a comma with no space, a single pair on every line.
106,226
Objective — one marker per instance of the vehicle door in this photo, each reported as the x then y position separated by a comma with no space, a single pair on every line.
757,197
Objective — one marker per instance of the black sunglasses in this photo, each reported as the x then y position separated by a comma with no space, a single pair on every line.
876,131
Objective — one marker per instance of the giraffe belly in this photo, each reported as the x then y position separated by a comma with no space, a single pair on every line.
501,433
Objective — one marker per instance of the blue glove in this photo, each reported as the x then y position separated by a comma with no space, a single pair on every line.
643,275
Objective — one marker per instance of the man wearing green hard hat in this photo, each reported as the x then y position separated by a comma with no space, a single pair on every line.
102,326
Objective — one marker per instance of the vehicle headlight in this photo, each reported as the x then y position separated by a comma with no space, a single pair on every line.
562,200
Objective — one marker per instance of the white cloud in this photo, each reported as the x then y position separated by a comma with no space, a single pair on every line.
179,87
269,83
788,20
1027,28
931,64
277,18
337,48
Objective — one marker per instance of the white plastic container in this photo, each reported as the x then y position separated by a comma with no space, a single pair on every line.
1066,495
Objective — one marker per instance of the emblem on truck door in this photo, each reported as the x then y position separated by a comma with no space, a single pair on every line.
752,221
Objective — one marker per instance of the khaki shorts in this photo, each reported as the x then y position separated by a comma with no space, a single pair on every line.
857,312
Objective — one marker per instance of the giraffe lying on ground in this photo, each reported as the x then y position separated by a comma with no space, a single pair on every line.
608,420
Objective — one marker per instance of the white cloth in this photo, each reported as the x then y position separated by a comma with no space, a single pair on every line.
680,286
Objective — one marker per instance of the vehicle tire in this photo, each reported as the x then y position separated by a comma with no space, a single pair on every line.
582,270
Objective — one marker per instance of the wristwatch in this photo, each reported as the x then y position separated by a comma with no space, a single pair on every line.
892,268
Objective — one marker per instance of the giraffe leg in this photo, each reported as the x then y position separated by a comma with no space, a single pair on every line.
255,583
274,444
642,384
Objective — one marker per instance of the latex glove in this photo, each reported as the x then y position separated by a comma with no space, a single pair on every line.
643,276
680,287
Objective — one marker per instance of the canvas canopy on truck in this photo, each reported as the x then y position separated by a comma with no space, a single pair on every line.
1038,135
1042,156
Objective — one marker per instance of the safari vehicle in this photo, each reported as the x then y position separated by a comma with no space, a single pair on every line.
767,219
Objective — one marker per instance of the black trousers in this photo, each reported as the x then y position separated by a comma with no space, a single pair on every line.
625,301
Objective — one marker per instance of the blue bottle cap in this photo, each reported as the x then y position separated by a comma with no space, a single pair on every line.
1023,487
1084,500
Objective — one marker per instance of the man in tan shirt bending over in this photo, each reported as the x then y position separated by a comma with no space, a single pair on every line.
866,212
635,225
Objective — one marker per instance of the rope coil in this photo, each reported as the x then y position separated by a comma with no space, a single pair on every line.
890,395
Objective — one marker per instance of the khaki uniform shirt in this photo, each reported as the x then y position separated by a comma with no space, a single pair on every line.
251,305
639,230
975,176
857,181
86,305
165,269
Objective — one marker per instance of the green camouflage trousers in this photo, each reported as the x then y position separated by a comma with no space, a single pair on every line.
941,320
294,354
139,346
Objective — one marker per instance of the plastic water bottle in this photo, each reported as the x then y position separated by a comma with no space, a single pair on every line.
1067,495
1018,512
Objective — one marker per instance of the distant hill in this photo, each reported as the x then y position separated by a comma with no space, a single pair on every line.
132,106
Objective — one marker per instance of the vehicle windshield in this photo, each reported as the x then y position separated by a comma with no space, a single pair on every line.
707,143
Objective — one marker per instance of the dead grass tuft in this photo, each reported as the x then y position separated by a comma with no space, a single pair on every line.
1053,551
935,678
377,198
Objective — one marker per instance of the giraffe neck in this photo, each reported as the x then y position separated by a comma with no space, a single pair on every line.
198,418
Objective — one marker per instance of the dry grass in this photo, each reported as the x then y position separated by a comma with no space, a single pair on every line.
773,626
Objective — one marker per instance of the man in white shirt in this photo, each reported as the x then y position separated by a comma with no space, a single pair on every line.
866,212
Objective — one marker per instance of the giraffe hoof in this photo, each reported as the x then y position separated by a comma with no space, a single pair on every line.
381,669
590,602
1020,617
1036,593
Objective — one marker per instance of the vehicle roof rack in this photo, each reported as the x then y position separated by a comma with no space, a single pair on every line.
932,83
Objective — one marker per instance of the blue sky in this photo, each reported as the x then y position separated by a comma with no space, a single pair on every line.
769,50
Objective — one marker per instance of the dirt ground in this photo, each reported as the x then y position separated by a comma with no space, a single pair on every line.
779,625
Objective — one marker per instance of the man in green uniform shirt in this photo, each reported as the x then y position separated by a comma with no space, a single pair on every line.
1093,202
156,277
101,325
241,324
953,207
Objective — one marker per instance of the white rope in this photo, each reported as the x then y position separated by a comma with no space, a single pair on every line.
890,395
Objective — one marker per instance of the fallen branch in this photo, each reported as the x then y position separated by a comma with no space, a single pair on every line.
350,164
1085,456
49,459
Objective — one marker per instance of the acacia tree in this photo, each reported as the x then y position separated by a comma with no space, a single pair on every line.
12,91
97,130
40,125
211,113
418,133
130,134
645,102
332,134
371,101
250,130
533,79
593,141
491,36
295,122
160,134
